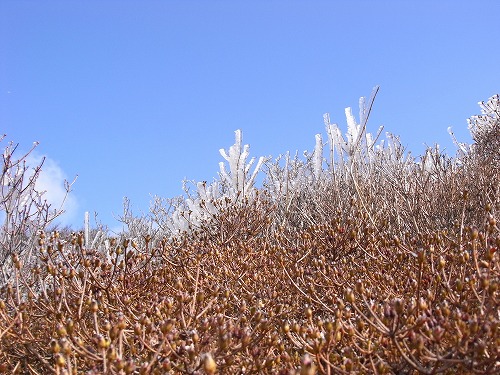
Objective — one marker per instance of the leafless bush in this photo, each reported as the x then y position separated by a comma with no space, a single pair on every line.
24,210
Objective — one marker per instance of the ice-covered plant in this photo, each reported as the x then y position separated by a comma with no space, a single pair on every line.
350,158
485,129
234,186
358,146
378,175
238,181
356,168
344,151
485,132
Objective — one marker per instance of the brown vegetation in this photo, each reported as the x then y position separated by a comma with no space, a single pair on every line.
396,274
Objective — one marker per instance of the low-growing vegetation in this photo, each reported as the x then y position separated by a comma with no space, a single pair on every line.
375,262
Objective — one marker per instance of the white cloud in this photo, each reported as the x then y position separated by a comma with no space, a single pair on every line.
51,181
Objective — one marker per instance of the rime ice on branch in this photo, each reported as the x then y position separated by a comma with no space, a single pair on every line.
233,185
351,158
238,180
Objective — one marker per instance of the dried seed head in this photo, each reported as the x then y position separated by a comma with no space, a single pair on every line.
66,346
307,366
422,304
209,364
61,330
60,360
359,287
129,367
398,306
349,295
103,342
112,354
94,306
166,326
308,313
441,263
54,346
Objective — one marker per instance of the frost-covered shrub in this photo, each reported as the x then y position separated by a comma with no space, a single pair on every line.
485,130
482,161
357,168
235,186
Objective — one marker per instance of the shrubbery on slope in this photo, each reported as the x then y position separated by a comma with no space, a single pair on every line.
378,263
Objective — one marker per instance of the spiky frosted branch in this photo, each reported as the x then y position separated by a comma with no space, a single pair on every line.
238,179
234,184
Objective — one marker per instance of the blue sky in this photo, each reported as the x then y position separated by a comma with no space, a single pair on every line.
135,96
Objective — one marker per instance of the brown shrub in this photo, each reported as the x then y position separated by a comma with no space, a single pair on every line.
338,297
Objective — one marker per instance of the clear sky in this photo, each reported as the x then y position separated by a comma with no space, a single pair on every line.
135,96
